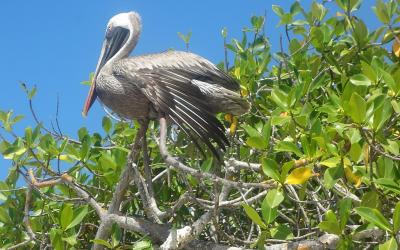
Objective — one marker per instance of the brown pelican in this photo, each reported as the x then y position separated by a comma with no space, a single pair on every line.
180,86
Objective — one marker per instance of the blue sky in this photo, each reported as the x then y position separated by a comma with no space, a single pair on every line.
55,45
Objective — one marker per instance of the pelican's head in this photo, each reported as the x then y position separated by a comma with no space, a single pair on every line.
121,36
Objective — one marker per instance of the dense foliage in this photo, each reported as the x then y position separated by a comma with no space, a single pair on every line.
324,129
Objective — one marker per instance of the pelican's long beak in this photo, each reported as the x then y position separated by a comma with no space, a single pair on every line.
115,39
90,98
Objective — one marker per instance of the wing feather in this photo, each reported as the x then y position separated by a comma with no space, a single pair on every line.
168,82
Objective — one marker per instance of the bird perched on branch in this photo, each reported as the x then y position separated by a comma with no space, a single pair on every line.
180,86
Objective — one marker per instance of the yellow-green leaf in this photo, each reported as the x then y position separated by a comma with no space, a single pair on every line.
389,245
351,177
375,217
299,175
396,218
396,46
331,162
257,142
253,215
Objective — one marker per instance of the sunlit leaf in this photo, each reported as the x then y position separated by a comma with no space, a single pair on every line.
360,80
103,243
299,175
389,245
274,198
78,216
331,162
375,217
257,142
330,224
66,216
253,215
351,177
396,46
286,146
270,168
357,108
269,214
396,218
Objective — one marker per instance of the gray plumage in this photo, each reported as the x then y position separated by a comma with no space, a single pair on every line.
182,86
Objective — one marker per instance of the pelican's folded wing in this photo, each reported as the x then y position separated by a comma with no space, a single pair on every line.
173,93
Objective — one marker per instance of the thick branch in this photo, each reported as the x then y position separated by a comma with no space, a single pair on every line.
178,239
105,226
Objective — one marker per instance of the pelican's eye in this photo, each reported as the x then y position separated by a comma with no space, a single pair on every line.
108,32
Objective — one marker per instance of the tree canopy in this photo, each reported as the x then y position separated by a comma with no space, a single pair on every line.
315,162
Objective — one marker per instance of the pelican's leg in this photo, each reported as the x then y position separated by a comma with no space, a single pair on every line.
162,144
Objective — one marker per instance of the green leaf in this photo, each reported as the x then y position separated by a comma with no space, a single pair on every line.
107,162
396,218
286,146
373,216
270,168
66,216
392,84
360,80
252,132
344,212
381,115
107,124
207,164
360,32
389,245
257,142
392,147
71,240
331,162
357,108
396,106
86,142
103,243
329,227
3,197
388,184
257,22
318,11
14,151
381,12
287,166
90,81
282,232
332,175
353,5
368,71
330,216
269,214
4,216
32,93
266,131
274,197
370,199
185,38
78,217
295,8
56,240
278,10
142,245
253,215
224,32
280,98
330,224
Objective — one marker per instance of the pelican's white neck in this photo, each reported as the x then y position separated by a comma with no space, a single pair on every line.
132,22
